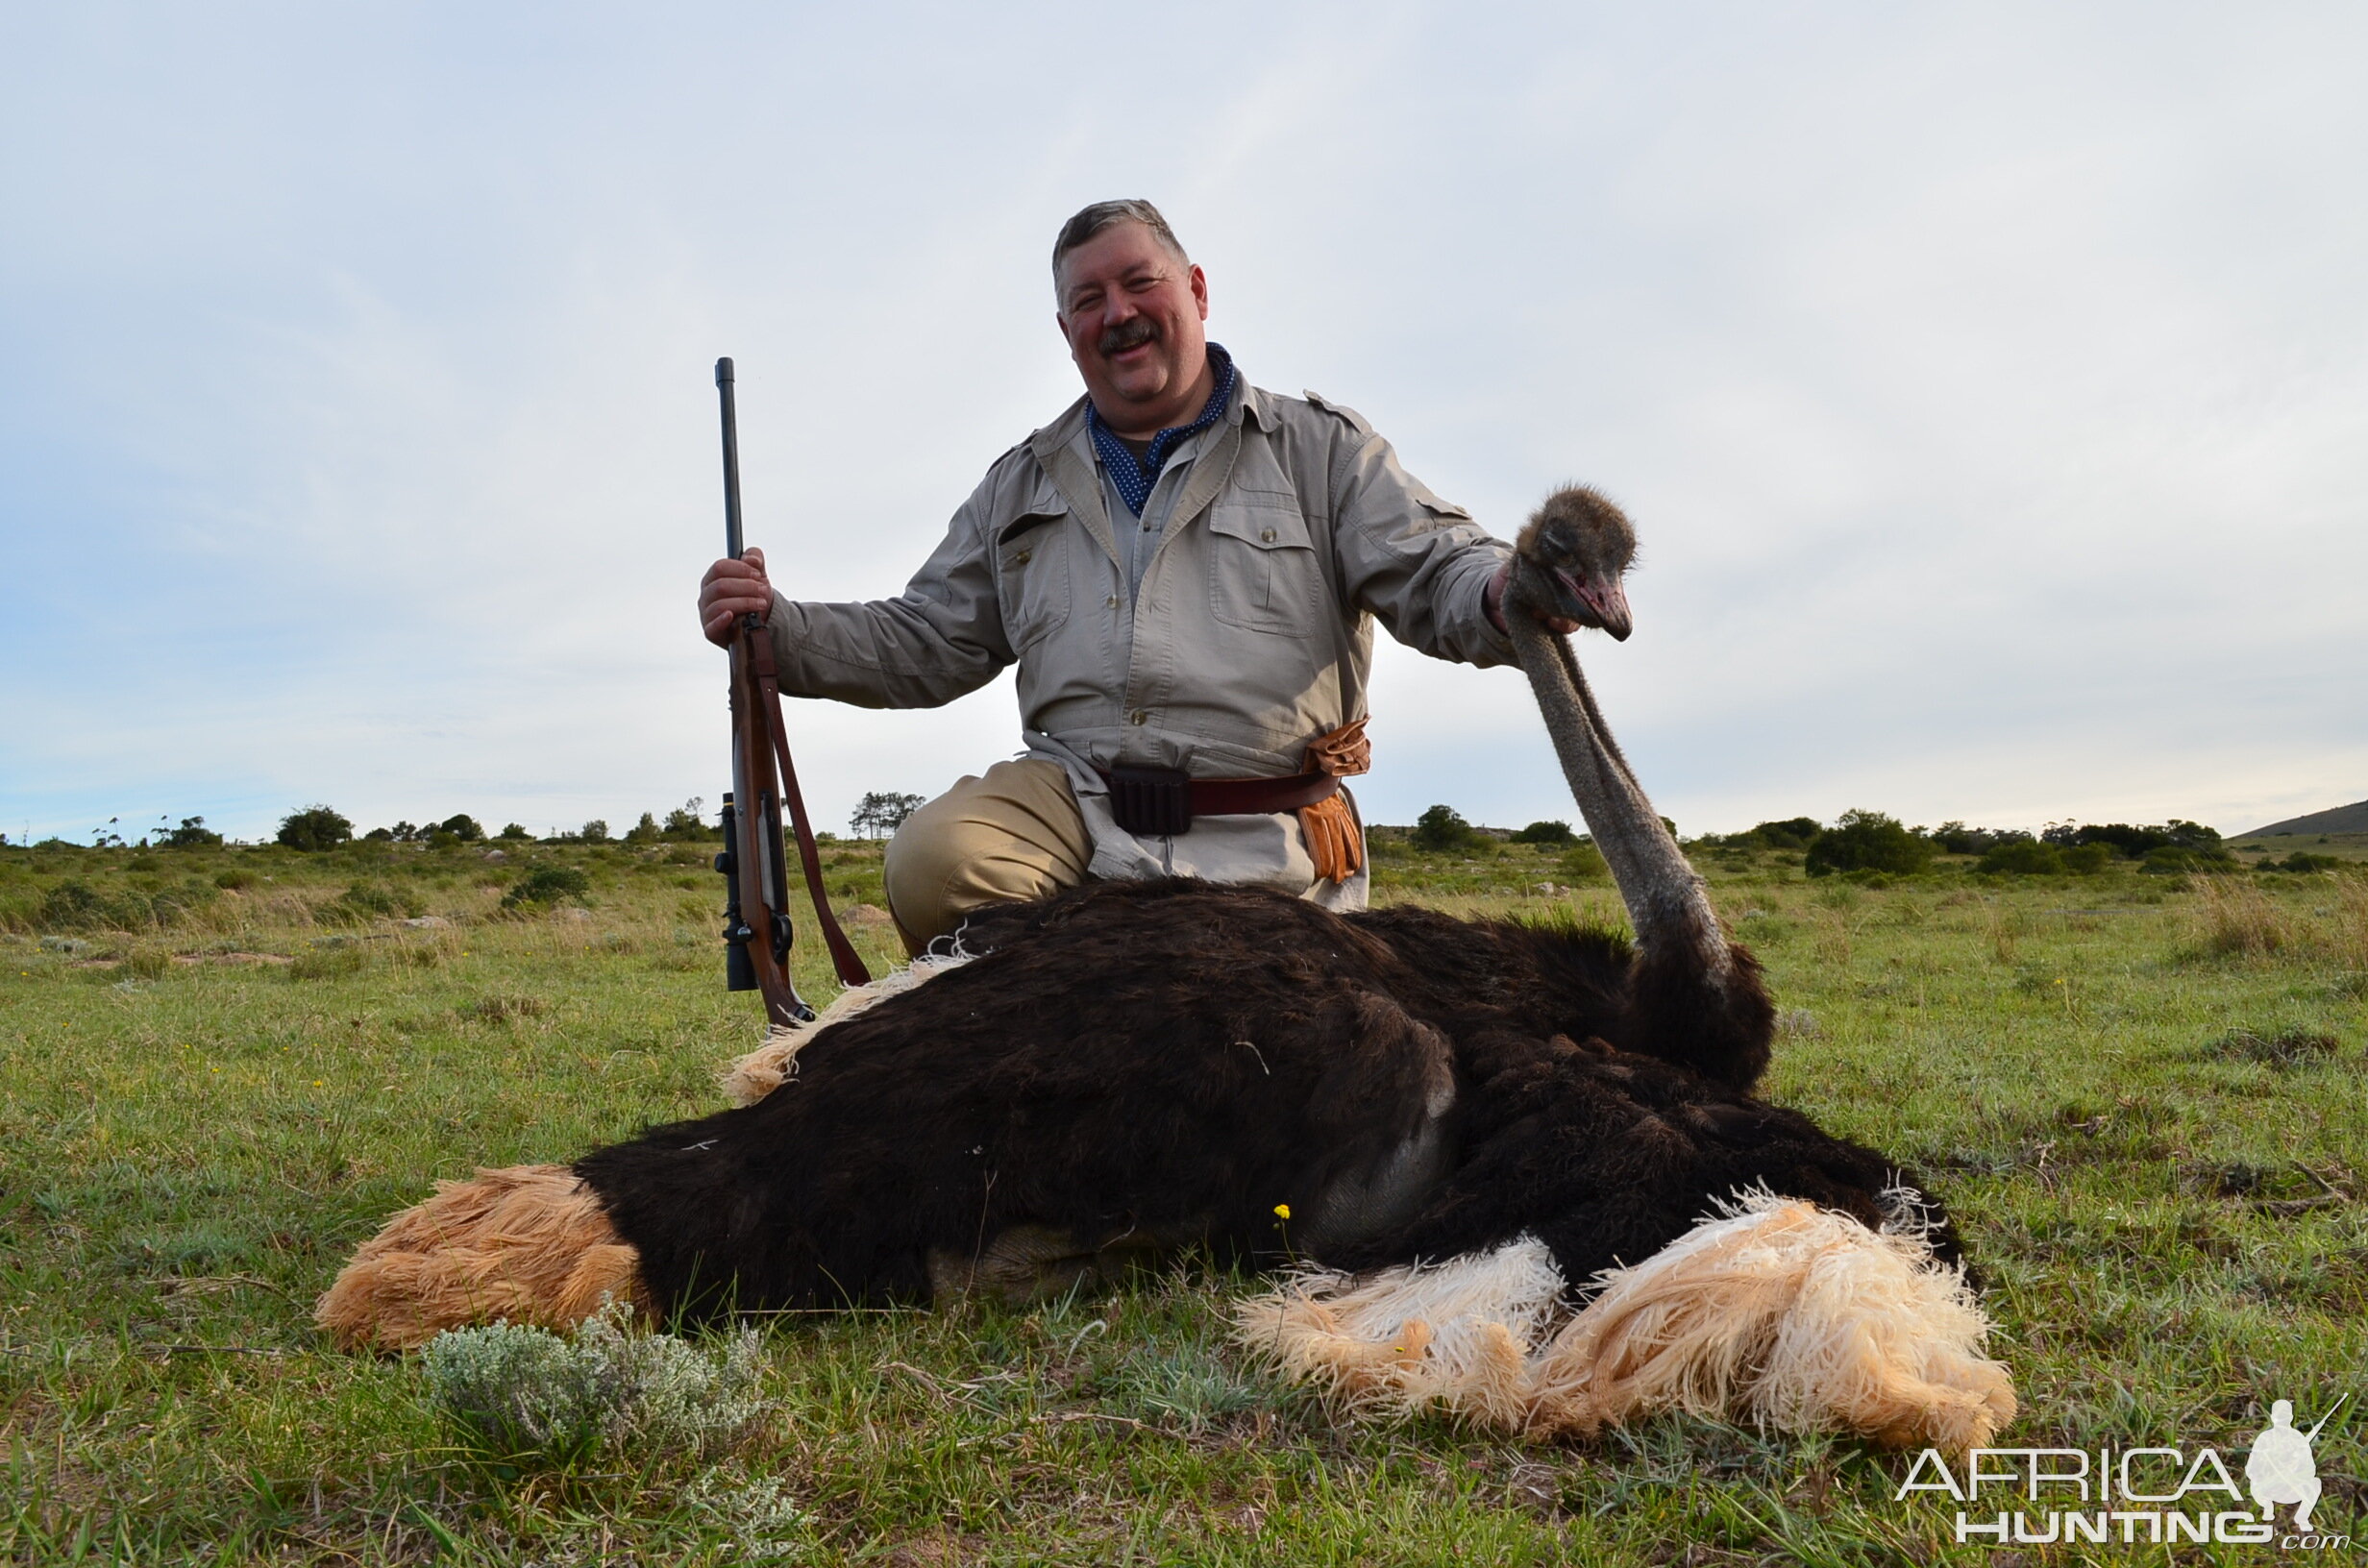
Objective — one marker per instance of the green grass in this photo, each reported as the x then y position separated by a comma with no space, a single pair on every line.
2123,1085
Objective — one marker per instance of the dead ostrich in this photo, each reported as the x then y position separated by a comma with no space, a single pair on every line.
1455,1122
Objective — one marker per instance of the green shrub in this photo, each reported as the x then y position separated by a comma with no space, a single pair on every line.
191,834
685,823
547,884
1868,841
2022,857
2133,842
1584,863
1442,829
528,1396
645,831
367,901
2298,861
515,831
1955,838
463,826
237,876
2087,858
1793,833
74,905
314,829
1556,832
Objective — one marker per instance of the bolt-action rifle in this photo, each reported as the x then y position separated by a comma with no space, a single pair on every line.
756,928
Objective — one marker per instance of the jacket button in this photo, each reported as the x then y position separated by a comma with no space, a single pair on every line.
1137,716
1266,536
1021,558
1112,602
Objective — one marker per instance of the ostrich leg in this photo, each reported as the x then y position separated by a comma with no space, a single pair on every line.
1695,997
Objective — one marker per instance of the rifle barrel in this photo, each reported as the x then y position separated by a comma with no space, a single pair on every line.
731,457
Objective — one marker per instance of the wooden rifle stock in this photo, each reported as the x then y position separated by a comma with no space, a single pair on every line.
756,927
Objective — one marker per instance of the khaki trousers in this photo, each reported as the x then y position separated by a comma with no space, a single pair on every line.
1013,835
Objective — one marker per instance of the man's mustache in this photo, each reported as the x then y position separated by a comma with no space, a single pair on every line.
1127,334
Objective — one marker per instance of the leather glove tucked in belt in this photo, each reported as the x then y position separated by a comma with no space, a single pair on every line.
1334,838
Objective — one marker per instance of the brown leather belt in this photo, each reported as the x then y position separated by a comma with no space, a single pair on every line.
1164,800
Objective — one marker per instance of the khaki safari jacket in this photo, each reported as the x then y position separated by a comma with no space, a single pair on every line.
1251,636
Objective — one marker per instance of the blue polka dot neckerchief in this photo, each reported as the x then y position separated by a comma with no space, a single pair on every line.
1135,478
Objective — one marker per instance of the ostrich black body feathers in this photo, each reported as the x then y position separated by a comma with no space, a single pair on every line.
1161,1064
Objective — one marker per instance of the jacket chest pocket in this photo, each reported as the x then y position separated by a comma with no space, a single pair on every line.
1263,572
1031,577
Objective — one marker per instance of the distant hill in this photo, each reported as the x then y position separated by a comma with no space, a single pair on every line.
2351,819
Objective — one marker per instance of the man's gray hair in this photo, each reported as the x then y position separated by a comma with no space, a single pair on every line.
1093,220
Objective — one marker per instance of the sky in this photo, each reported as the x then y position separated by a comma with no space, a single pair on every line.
1988,385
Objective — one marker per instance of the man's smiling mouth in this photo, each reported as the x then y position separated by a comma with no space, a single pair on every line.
1125,338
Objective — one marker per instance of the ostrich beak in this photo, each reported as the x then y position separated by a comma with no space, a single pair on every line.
1600,605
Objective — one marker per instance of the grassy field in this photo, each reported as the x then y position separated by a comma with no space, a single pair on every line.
2142,1097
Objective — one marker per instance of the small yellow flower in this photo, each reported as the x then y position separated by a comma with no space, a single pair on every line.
1282,1211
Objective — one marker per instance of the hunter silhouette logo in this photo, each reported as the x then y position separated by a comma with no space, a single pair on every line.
2157,1495
2280,1469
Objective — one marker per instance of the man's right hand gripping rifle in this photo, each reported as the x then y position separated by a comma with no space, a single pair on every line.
731,590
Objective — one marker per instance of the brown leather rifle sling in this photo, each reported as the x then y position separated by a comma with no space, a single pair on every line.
756,927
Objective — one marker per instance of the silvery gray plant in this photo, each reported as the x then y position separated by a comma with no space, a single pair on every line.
531,1396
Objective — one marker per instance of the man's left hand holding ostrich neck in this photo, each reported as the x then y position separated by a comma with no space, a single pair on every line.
1186,569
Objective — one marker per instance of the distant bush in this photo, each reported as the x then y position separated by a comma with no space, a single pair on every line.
2172,860
685,824
1868,841
547,884
367,901
645,831
315,828
514,831
595,831
463,826
2022,857
2298,861
1442,829
74,905
1584,863
191,834
1954,838
1793,833
2087,858
1555,832
2135,842
881,812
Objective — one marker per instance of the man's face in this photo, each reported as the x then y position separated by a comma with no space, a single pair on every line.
1132,315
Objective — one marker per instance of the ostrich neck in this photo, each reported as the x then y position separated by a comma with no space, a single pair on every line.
1666,900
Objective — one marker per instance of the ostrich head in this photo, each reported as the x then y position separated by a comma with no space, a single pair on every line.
1572,556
